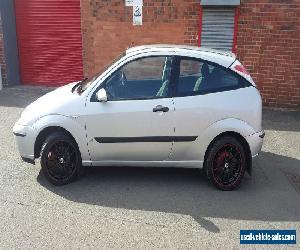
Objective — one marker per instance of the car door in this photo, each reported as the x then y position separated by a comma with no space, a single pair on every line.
137,121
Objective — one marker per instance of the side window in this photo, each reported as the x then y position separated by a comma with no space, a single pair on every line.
145,78
145,68
199,77
189,76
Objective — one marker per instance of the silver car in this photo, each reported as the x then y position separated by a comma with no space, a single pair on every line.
159,105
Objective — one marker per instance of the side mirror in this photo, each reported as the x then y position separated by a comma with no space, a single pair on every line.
101,95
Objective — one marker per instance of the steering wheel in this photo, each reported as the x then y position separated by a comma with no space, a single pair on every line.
117,85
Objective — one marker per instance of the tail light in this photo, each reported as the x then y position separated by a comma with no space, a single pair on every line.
241,70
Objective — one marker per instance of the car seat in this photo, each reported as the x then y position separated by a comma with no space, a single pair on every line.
203,78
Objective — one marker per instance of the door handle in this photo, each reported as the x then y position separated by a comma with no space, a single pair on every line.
159,108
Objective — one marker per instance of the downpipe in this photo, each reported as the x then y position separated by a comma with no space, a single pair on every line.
1,85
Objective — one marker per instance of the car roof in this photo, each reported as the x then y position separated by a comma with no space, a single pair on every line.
223,58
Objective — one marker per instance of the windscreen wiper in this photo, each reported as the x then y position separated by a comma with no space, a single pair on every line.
78,84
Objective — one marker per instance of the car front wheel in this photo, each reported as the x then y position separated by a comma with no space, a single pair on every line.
225,163
60,159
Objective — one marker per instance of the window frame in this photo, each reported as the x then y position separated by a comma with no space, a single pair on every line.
170,95
243,83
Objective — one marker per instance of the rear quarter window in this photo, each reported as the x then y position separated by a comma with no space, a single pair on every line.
197,77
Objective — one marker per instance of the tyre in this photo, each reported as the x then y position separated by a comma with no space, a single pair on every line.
61,159
225,163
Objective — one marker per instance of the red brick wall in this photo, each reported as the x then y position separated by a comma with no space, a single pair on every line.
268,40
268,44
108,30
2,57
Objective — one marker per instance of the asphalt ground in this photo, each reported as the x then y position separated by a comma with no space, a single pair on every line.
146,207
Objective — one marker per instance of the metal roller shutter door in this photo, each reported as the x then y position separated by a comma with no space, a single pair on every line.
49,41
218,28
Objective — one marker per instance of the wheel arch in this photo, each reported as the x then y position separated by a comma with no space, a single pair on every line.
241,139
43,134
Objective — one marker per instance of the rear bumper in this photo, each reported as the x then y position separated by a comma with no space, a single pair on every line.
255,142
25,139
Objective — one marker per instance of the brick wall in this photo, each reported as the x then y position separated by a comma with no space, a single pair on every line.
268,44
2,57
268,40
108,30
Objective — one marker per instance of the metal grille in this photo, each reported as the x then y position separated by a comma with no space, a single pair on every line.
218,28
49,41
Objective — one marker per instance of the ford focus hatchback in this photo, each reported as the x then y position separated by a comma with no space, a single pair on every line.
159,105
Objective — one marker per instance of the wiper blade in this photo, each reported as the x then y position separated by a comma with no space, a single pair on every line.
78,84
84,79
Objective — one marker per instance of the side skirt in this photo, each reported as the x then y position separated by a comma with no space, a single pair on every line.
175,164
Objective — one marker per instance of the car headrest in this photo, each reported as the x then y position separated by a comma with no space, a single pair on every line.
205,70
216,74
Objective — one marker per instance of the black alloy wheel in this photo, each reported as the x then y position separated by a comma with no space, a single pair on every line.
225,163
60,159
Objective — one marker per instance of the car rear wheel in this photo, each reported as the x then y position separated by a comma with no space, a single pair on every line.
225,163
60,159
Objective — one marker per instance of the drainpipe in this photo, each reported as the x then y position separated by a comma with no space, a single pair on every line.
1,86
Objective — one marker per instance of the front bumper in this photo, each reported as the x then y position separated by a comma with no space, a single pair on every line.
25,139
255,142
